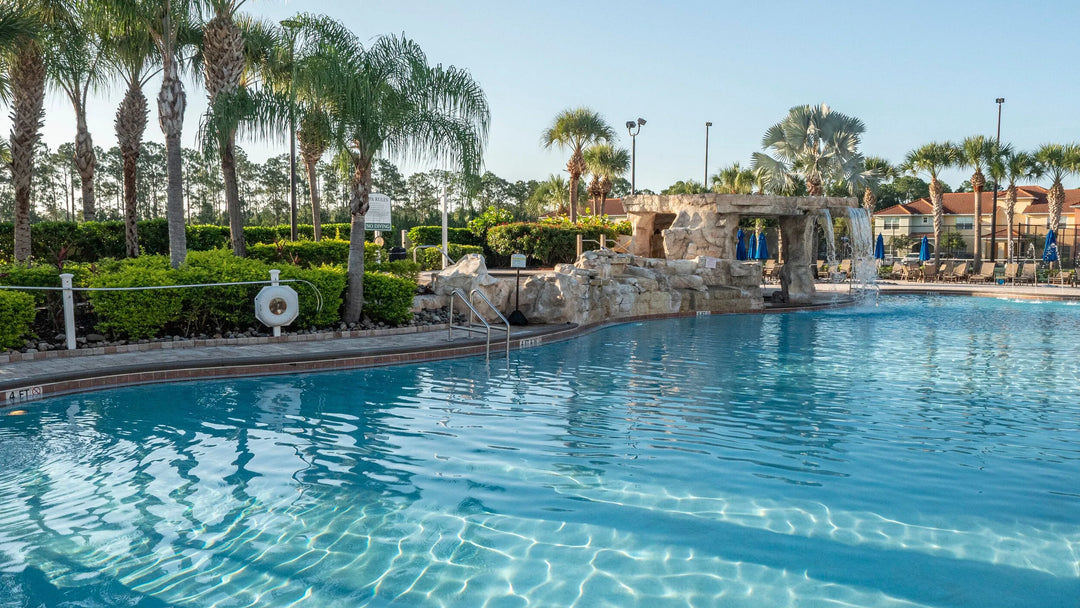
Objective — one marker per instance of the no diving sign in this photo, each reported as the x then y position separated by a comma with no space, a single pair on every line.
19,395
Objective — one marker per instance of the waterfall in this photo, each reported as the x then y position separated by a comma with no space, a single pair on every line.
862,248
830,240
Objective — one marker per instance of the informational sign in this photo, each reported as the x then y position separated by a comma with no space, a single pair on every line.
710,262
517,260
378,215
19,395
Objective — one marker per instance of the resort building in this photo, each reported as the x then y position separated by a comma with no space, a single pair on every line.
1030,223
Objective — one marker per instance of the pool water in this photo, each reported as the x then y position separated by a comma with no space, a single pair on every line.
917,452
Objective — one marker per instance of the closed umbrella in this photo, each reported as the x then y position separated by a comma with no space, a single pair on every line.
924,250
740,246
879,247
762,252
1050,250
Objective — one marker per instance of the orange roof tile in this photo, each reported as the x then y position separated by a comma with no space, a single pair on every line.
963,203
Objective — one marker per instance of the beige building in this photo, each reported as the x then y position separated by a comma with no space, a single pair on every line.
1030,219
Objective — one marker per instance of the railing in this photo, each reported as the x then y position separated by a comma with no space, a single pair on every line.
506,323
475,314
439,247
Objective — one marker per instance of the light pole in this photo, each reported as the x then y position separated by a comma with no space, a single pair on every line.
705,183
993,210
630,128
292,25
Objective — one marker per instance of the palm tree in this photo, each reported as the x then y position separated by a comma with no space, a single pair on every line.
882,170
976,152
15,23
606,163
169,25
575,129
932,159
386,99
814,143
1015,166
552,195
75,65
1056,161
733,179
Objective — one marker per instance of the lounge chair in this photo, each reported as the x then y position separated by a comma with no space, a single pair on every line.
912,272
930,272
945,271
897,270
959,273
1012,270
1063,277
985,274
622,244
1027,274
771,271
819,270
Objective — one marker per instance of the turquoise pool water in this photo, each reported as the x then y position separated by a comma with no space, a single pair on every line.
921,452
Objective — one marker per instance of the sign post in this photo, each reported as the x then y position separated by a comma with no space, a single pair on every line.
517,262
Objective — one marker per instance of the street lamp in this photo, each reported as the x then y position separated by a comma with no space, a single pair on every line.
705,183
292,26
993,211
630,124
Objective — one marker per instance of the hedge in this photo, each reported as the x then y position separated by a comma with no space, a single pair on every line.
16,316
432,235
546,245
431,258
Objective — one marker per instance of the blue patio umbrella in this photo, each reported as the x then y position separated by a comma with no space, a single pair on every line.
1050,249
762,251
879,247
740,246
924,250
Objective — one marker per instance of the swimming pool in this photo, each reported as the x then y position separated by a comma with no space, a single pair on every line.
921,452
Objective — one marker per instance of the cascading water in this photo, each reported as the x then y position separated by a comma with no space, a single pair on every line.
830,240
862,249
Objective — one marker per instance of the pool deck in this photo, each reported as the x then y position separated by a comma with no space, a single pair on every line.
34,376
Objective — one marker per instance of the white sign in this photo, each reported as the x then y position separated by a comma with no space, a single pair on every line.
710,262
18,395
378,215
517,260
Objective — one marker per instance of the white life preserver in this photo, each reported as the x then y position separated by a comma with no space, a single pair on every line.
277,305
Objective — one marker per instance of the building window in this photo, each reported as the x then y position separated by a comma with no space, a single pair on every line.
926,220
892,223
965,224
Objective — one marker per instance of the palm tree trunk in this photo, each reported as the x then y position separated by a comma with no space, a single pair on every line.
977,255
131,226
936,196
27,77
313,189
1055,199
358,206
573,197
1010,208
232,195
171,105
130,125
84,160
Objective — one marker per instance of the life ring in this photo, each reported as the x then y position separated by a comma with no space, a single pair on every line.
277,305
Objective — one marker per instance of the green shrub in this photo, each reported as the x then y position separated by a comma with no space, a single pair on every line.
546,244
303,253
431,258
388,298
39,275
16,315
432,235
211,310
136,314
330,281
406,269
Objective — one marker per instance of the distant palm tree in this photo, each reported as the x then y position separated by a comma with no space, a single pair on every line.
606,163
1056,161
551,195
877,170
976,152
733,179
386,98
932,159
814,143
1016,166
575,129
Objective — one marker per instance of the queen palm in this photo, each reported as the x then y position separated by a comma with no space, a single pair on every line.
811,142
932,159
606,163
1014,166
1056,161
975,153
386,99
575,129
733,179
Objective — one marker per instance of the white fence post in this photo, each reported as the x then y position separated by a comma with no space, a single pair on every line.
69,310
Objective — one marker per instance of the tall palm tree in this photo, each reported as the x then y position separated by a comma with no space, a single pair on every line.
975,153
1015,166
814,143
15,23
386,99
606,163
574,129
1056,161
882,170
932,159
169,23
733,179
75,65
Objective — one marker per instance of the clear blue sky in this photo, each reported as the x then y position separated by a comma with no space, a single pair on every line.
914,72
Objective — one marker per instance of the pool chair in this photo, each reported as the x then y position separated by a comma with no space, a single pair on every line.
1012,270
1027,274
770,271
897,270
945,270
930,272
622,245
844,268
819,270
985,274
959,273
912,272
1063,278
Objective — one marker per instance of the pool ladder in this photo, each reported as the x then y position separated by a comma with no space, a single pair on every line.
475,314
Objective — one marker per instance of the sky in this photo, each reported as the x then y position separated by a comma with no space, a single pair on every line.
913,72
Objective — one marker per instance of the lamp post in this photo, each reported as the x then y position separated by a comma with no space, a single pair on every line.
292,25
994,208
705,182
630,128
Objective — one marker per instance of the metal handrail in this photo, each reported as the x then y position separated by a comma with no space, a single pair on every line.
439,247
451,327
477,292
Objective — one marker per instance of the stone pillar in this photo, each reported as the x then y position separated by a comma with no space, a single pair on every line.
641,240
796,280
